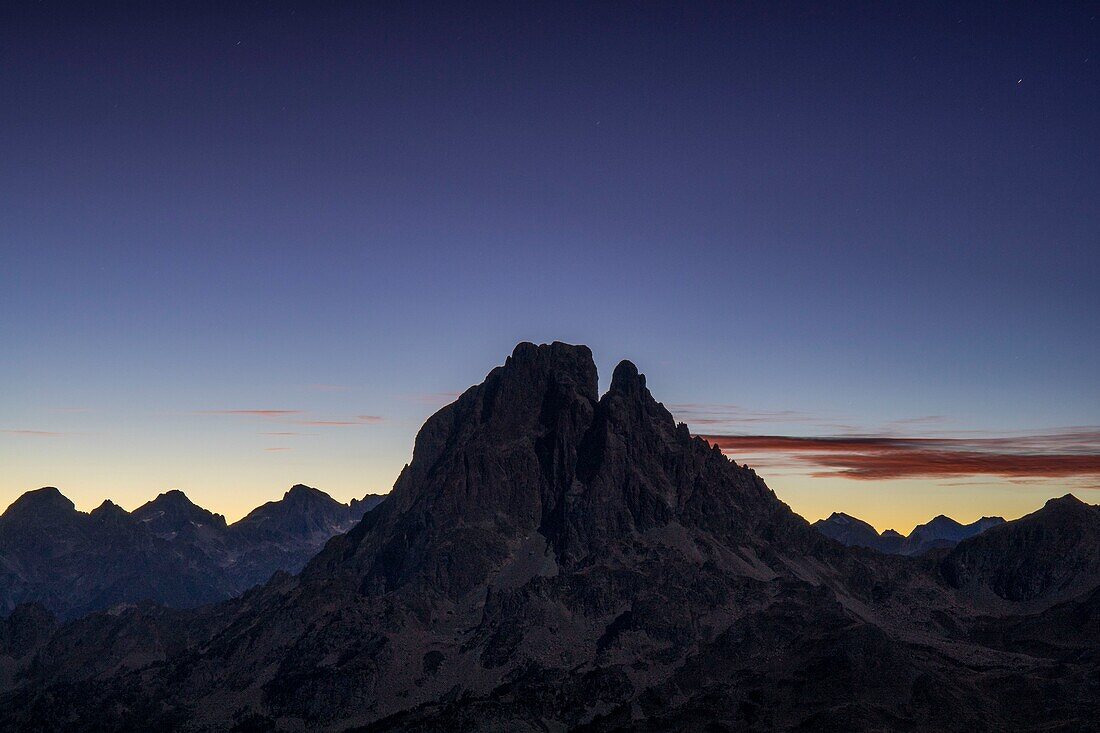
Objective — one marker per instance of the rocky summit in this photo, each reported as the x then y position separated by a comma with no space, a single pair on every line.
557,560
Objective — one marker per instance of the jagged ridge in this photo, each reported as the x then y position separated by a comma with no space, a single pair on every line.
940,532
169,550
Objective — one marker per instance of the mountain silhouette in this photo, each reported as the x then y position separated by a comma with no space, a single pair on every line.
940,532
554,559
169,550
1044,557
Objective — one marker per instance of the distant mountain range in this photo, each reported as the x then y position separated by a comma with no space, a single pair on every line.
553,559
169,550
940,532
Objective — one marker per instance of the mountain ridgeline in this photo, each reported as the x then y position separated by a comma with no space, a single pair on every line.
168,551
556,560
941,532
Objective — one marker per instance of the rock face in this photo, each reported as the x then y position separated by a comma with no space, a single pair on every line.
941,532
169,550
554,560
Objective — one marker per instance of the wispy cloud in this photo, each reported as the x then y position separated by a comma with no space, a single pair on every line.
918,421
732,416
252,413
357,420
70,410
286,433
297,417
437,399
35,433
277,450
328,387
1061,454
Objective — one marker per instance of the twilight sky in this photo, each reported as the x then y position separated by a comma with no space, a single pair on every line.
248,245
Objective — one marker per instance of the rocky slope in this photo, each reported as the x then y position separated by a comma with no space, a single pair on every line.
940,532
557,560
168,550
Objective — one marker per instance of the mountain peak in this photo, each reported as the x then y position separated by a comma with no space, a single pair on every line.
172,511
108,509
849,530
532,456
173,496
626,379
1042,556
44,502
567,363
303,511
1066,501
939,524
301,492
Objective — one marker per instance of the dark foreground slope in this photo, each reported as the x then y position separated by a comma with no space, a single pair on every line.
553,560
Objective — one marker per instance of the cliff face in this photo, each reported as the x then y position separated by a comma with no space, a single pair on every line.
556,560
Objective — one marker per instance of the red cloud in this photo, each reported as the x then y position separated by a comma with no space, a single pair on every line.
34,433
359,420
433,398
1070,453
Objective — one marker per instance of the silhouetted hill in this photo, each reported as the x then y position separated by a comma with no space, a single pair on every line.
73,563
284,534
172,512
940,532
854,532
1048,556
168,550
553,559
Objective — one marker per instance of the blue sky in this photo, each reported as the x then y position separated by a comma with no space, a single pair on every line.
850,217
